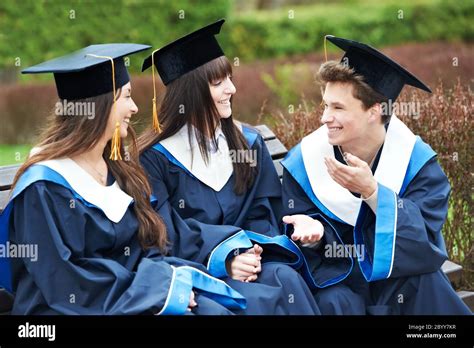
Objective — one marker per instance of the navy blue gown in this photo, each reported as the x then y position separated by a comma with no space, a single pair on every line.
398,250
88,264
207,226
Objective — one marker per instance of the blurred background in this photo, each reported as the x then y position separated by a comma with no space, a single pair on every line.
276,47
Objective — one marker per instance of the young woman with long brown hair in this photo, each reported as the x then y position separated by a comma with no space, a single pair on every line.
83,203
217,189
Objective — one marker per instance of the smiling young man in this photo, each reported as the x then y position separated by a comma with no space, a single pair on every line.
367,199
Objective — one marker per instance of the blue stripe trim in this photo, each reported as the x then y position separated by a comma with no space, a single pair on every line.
421,154
250,134
5,267
385,225
364,262
294,164
216,289
179,293
217,260
39,172
153,199
160,148
282,241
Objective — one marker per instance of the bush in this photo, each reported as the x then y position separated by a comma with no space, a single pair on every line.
445,122
289,82
274,33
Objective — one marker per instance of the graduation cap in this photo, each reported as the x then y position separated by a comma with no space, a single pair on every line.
187,53
89,72
379,71
182,56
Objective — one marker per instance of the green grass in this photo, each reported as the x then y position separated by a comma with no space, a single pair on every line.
13,154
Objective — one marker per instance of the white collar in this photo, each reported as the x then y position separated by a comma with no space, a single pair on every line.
218,135
390,172
111,199
219,169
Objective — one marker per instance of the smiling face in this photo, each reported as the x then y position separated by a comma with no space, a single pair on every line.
221,92
345,116
122,111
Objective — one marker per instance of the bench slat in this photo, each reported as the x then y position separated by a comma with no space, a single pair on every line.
7,174
278,167
468,298
453,271
3,199
265,132
276,148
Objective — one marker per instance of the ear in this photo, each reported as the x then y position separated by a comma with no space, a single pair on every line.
375,113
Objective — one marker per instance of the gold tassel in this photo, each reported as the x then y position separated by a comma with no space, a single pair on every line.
325,59
325,49
156,123
115,148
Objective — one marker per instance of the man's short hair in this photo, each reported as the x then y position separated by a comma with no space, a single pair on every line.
333,71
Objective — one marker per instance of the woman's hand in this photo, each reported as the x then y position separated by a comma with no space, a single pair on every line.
307,229
192,301
246,266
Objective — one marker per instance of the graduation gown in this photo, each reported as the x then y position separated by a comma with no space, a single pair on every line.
383,262
89,260
208,223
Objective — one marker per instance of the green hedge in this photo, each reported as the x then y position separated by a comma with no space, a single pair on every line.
37,30
272,33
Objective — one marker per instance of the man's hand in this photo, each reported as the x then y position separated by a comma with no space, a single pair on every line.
357,177
307,229
246,266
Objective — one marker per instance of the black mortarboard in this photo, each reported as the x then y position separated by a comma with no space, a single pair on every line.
187,53
379,71
88,71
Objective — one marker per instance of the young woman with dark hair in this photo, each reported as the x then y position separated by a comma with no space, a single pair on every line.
217,189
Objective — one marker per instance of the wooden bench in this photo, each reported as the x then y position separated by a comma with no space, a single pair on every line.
278,152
